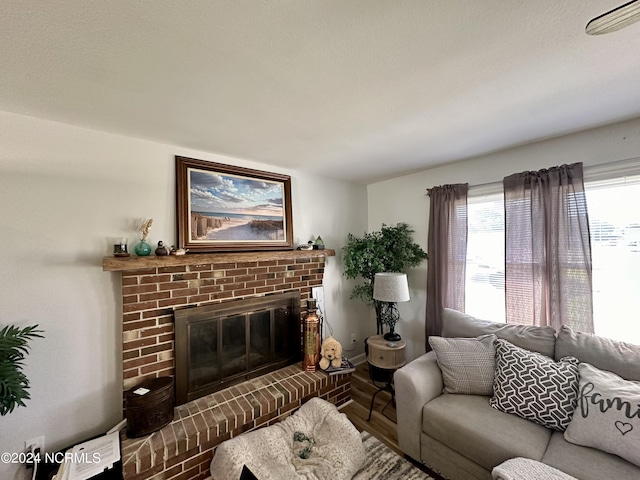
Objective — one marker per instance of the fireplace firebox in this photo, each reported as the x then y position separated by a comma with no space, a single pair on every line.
223,344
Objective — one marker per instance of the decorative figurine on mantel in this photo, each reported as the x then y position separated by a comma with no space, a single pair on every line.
308,246
177,251
143,249
162,249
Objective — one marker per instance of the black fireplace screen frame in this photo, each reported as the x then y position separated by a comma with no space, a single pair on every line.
213,317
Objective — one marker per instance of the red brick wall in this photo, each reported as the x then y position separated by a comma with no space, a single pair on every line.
184,448
149,296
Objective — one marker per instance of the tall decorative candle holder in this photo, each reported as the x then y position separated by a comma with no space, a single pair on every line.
311,339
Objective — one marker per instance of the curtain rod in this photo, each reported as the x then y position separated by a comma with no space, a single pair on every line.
597,169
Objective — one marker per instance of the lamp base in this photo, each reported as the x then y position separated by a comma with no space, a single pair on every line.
392,337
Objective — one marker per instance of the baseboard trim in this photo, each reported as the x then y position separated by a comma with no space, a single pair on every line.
358,359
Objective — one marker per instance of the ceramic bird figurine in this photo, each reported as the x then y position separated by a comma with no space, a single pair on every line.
161,251
179,251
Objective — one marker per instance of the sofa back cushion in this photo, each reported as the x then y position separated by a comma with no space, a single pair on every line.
621,358
535,339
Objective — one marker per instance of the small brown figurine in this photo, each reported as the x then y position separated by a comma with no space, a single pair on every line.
161,251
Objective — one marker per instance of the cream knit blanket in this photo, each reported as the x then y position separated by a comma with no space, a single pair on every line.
272,454
525,469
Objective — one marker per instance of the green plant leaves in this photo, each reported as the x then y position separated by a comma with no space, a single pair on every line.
391,249
14,346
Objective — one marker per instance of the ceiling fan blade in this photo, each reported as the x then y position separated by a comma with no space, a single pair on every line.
615,19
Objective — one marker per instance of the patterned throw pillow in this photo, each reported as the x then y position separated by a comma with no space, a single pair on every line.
467,364
608,414
534,386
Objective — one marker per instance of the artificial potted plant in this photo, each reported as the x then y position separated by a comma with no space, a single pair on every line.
14,385
391,249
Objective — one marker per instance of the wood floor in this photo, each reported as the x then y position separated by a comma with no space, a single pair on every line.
383,418
382,426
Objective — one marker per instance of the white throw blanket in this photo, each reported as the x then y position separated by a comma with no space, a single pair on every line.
272,453
524,468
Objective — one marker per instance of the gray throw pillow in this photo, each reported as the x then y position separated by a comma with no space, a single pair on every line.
608,414
467,364
534,386
613,356
536,339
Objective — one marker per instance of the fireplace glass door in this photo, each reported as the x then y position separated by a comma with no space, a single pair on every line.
222,344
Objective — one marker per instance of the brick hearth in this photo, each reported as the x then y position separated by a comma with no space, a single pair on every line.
184,448
152,287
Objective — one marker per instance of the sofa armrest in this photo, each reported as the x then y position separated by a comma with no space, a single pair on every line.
417,383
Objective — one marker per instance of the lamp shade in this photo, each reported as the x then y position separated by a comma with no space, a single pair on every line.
391,287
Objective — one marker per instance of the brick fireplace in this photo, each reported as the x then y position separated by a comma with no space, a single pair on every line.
152,287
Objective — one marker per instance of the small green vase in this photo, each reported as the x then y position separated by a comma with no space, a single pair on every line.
142,249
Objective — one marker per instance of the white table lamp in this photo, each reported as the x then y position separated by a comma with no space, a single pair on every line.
390,288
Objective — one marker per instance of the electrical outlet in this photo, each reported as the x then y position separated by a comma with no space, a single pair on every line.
353,338
34,447
35,443
318,294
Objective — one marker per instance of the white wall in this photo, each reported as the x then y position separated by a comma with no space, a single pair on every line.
64,191
403,199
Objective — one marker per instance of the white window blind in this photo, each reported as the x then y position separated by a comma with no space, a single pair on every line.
484,282
614,224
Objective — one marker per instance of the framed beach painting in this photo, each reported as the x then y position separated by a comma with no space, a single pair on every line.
223,208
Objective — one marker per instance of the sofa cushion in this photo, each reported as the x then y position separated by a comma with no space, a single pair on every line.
448,462
488,437
608,414
587,463
535,387
618,357
467,364
536,339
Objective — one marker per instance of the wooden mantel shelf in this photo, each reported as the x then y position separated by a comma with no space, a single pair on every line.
122,264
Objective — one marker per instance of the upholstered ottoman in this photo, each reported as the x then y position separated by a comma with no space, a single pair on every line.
315,442
527,469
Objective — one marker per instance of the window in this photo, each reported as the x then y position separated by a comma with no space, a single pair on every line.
614,223
484,282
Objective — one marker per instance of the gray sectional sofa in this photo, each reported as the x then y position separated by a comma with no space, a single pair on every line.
462,436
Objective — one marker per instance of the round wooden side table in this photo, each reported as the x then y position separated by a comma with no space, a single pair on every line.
384,359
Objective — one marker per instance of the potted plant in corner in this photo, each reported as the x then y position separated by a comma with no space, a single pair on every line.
391,249
14,385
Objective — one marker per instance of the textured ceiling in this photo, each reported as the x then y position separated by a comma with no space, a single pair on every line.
354,89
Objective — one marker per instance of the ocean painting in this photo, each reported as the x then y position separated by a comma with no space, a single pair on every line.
234,208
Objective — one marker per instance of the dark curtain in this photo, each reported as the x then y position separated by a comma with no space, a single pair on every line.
447,251
548,251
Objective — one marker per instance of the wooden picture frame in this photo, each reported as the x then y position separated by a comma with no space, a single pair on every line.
224,208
